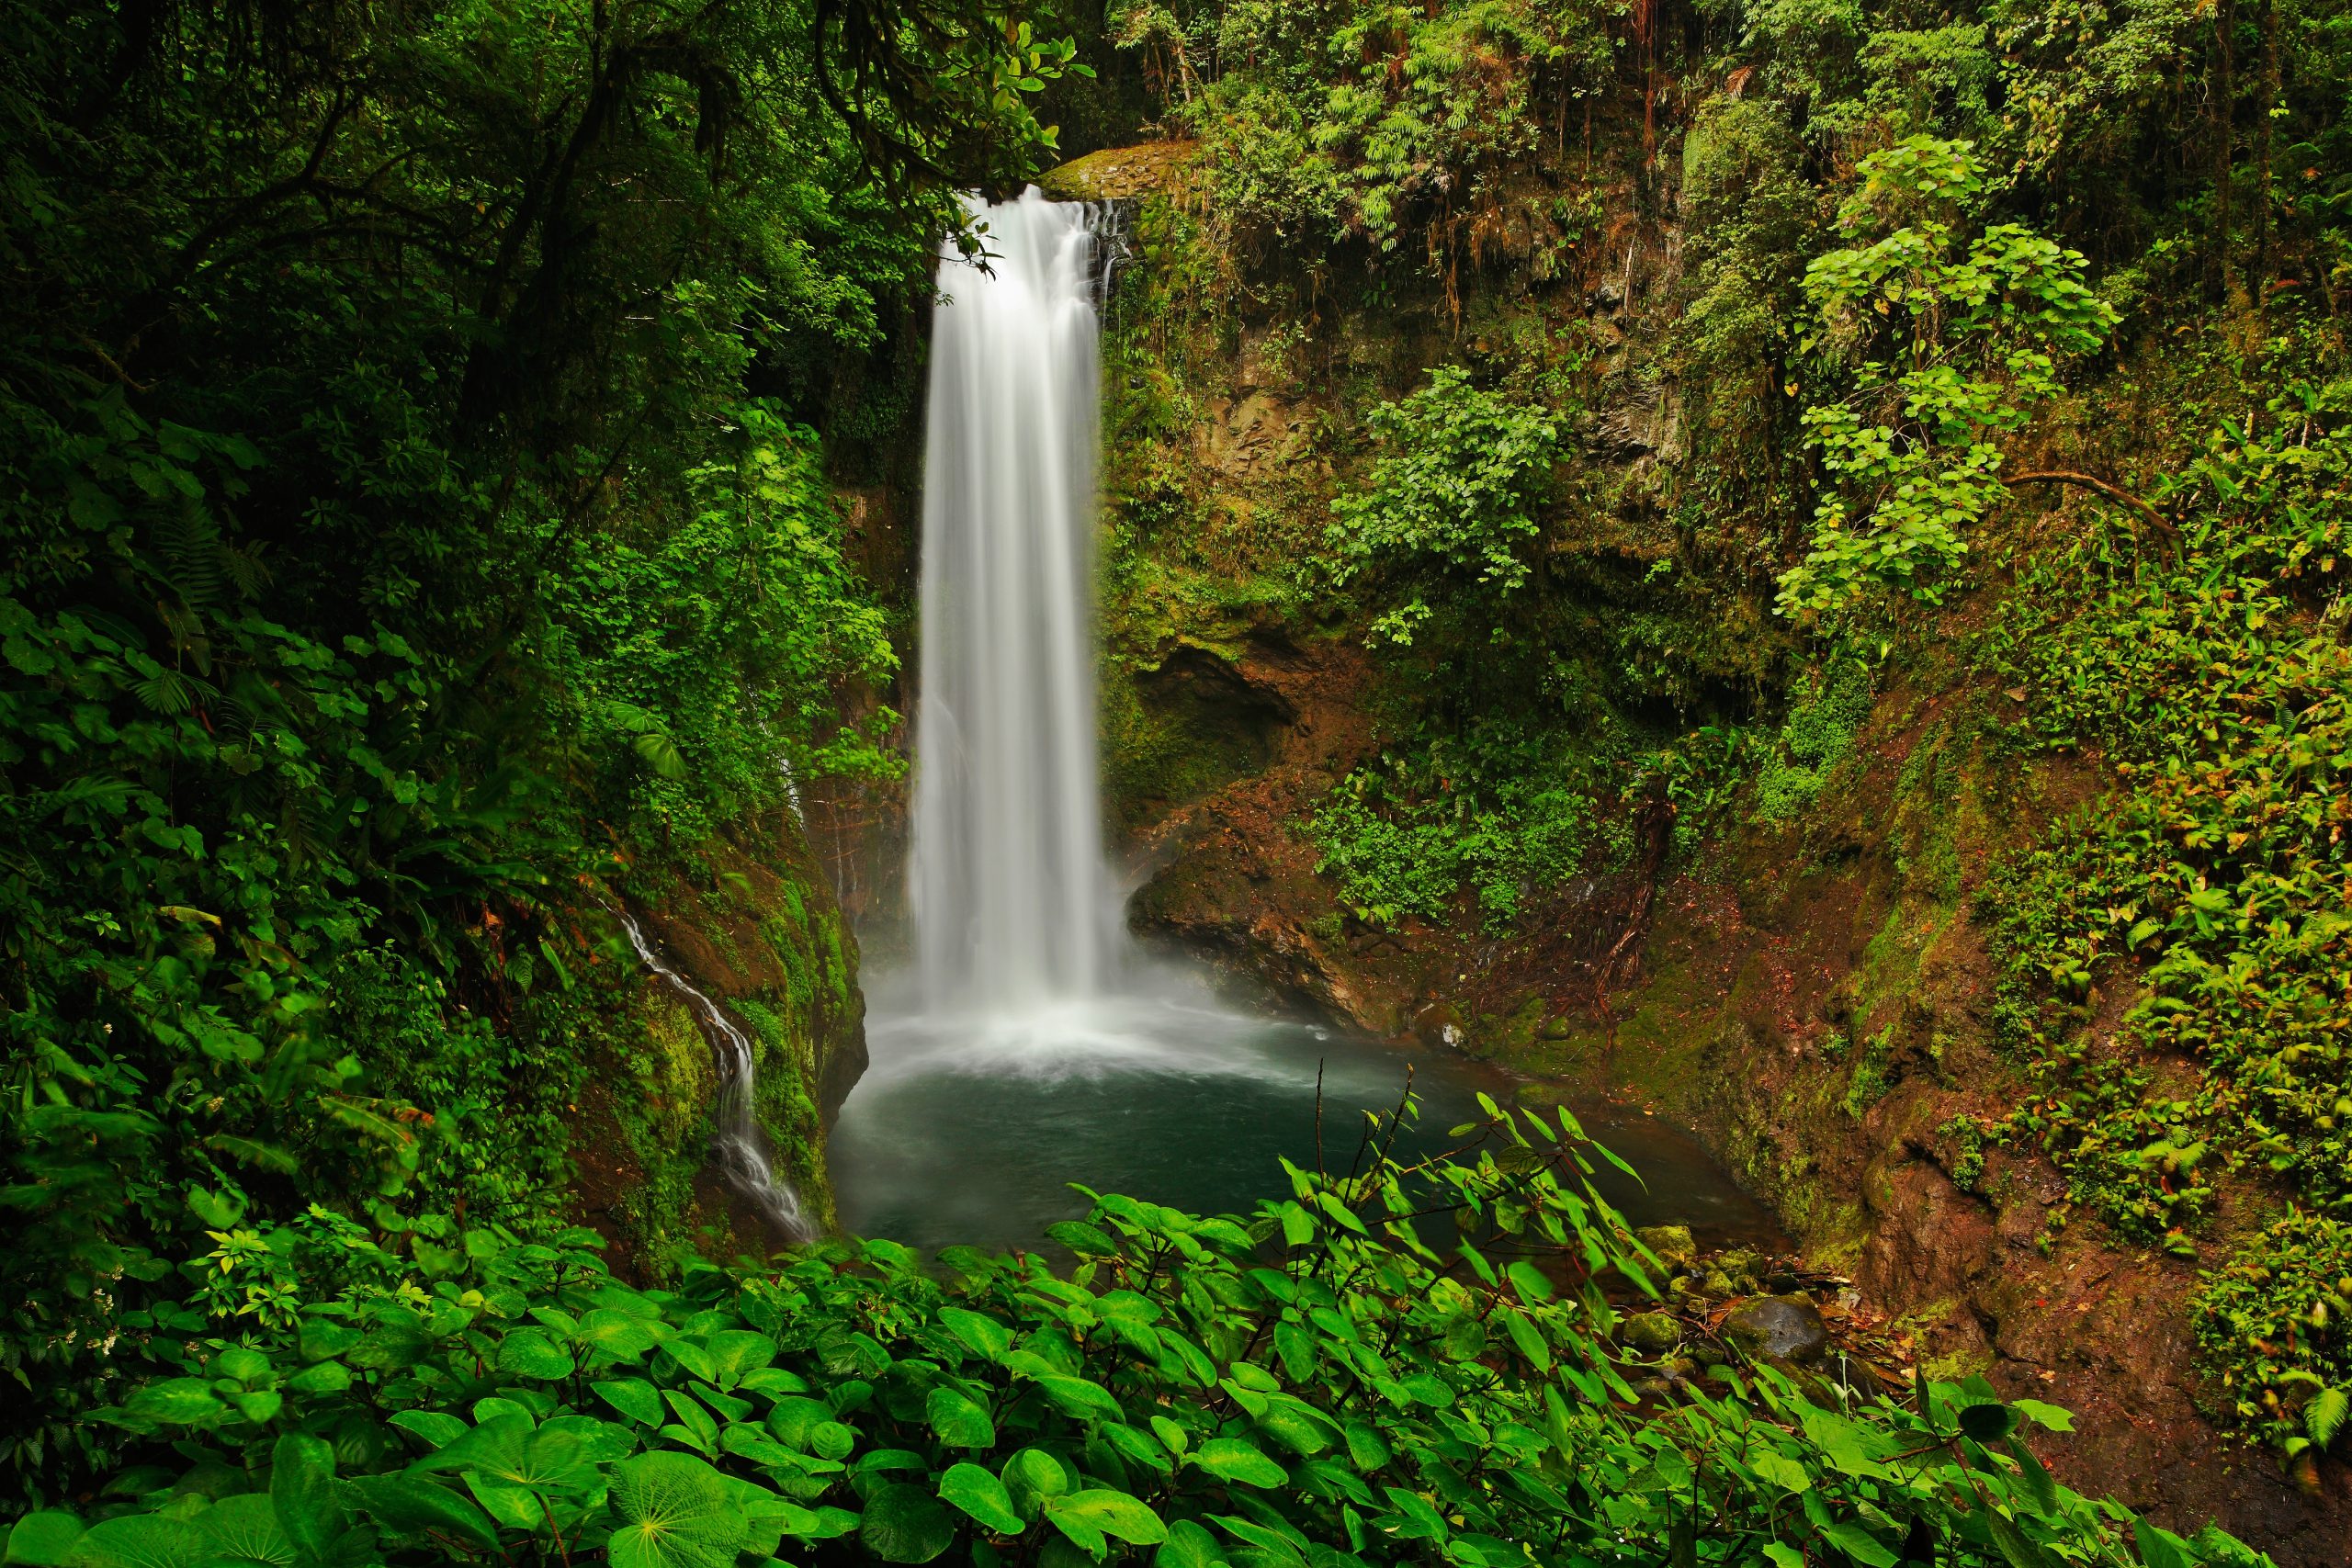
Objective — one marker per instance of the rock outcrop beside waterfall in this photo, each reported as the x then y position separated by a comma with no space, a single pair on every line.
754,925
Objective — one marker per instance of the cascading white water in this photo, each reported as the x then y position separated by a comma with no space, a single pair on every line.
1013,905
738,1147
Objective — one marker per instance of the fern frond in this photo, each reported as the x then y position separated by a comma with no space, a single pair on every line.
2324,1417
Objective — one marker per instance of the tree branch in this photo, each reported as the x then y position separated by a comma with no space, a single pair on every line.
2113,492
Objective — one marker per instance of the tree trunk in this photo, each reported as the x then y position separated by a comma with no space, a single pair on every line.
2224,112
2272,90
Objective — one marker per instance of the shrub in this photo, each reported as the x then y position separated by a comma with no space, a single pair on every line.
1314,1386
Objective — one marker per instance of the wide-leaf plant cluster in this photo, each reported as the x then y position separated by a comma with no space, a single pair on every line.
1315,1386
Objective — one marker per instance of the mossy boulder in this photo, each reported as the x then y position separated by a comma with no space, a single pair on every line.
1779,1328
1672,1245
1651,1333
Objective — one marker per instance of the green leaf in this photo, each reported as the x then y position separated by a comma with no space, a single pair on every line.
736,1353
245,1529
904,1523
44,1540
635,1398
438,1428
141,1540
1987,1423
1861,1545
325,1378
981,1496
1190,1545
531,1354
960,1423
177,1402
410,1505
1032,1475
675,1512
1110,1512
1079,1397
303,1492
609,1336
506,1450
1231,1458
984,1336
2324,1415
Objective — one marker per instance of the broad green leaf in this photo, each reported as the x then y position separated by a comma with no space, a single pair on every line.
325,1378
410,1505
302,1490
2055,1417
1231,1458
1079,1397
44,1540
1987,1423
904,1523
959,1423
736,1353
141,1540
981,1496
1110,1512
438,1428
516,1507
529,1353
245,1529
1032,1475
1779,1469
1859,1544
635,1398
509,1451
1173,1437
180,1402
984,1336
609,1336
1190,1545
675,1512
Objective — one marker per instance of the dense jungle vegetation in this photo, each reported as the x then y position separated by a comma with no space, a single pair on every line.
1998,351
423,427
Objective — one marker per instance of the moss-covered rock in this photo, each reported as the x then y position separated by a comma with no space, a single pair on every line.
753,924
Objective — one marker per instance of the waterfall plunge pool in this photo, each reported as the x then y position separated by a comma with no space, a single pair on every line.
967,1128
1029,1045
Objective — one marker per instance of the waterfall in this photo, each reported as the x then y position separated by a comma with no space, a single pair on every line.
738,1147
1014,903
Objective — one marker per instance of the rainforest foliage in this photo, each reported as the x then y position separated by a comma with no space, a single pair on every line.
415,517
423,424
1312,1386
1792,352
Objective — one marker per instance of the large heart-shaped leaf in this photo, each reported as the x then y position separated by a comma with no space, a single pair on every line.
141,1540
244,1530
44,1540
507,1450
675,1512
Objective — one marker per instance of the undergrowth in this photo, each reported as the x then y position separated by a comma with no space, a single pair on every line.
2208,893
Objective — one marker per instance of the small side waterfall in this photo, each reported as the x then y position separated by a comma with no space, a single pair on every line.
1013,905
738,1147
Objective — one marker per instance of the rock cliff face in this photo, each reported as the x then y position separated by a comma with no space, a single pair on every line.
1812,993
755,926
